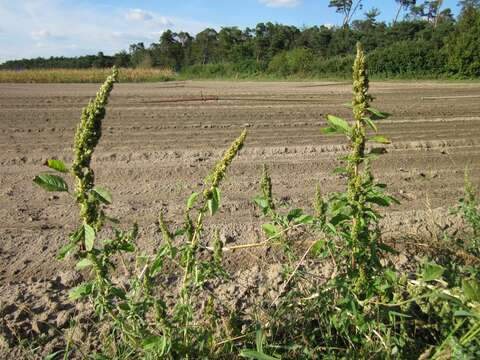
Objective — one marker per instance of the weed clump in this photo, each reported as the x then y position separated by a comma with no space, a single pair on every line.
361,308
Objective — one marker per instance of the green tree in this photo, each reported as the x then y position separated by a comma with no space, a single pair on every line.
403,5
205,46
122,59
138,54
347,8
168,52
463,47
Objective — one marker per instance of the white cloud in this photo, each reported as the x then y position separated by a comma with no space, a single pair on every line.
33,28
40,34
138,15
281,3
152,19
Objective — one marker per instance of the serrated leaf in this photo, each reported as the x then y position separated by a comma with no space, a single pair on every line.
57,165
432,272
89,237
84,263
51,182
252,354
339,123
270,230
102,195
192,199
379,139
81,291
471,289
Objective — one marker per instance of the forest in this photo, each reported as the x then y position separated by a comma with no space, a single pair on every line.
424,40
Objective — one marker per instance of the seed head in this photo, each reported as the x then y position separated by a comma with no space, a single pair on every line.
217,247
266,187
361,98
218,173
167,236
87,136
319,204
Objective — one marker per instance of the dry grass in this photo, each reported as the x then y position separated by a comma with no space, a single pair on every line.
83,75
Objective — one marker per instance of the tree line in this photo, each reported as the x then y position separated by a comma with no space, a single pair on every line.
426,41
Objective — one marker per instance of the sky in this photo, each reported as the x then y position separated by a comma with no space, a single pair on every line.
32,28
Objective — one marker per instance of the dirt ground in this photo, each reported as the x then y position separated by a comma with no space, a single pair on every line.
154,152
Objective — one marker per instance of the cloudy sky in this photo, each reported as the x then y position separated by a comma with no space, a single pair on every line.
31,28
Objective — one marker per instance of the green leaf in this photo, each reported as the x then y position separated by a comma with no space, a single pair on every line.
293,214
214,202
338,219
432,272
51,182
339,123
318,247
81,291
102,195
378,151
395,313
252,354
259,338
158,343
378,114
379,200
340,170
463,313
89,233
391,275
119,293
304,219
112,219
471,289
330,130
57,165
371,123
270,230
55,355
84,263
192,199
379,139
261,202
65,250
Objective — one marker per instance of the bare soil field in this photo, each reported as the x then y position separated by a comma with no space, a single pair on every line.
160,140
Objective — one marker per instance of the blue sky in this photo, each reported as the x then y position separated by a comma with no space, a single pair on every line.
31,28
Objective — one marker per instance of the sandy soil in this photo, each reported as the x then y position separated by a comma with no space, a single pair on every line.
154,152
